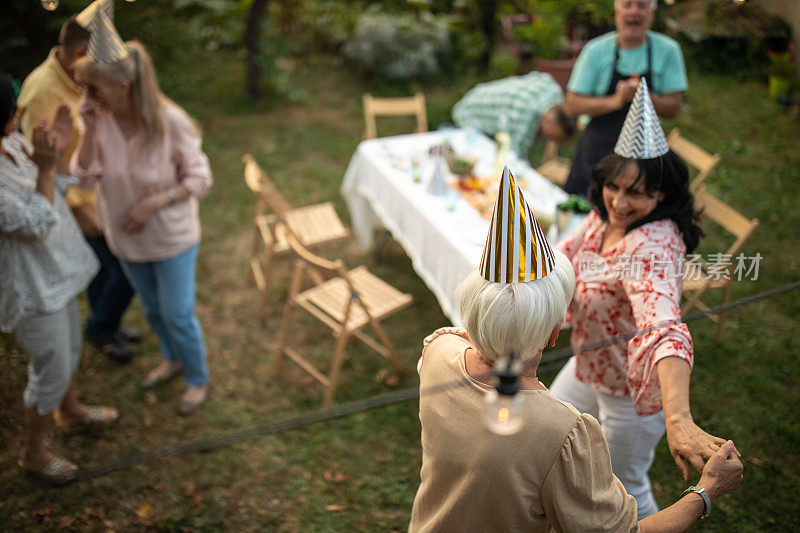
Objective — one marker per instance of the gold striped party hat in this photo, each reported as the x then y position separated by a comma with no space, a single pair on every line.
105,44
516,249
86,16
642,136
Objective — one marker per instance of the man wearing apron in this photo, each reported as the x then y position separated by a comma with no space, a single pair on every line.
606,77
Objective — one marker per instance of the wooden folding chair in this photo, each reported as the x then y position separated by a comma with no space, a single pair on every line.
346,303
694,156
313,224
696,283
553,167
375,107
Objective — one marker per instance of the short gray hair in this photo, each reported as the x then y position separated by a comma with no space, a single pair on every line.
504,318
653,4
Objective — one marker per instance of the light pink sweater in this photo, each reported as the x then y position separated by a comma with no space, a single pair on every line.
126,170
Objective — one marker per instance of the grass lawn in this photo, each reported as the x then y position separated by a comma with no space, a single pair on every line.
361,473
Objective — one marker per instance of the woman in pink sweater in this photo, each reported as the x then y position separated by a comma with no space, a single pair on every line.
144,155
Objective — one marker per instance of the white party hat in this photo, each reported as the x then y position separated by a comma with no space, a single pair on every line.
642,136
516,249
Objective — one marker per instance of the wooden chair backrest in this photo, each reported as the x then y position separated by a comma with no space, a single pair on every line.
315,261
258,182
375,107
694,156
725,216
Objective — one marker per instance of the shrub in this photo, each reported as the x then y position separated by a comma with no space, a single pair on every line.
401,46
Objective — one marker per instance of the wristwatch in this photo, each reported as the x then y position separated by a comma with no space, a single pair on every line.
706,500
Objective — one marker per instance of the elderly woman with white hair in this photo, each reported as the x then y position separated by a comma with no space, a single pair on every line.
554,473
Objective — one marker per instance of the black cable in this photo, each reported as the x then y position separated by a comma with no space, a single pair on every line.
555,360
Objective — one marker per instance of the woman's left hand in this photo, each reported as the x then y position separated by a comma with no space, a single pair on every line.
688,443
138,216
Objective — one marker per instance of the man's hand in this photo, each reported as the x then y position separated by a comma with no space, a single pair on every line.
87,221
626,89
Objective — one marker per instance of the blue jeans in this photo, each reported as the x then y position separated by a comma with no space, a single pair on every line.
109,293
167,291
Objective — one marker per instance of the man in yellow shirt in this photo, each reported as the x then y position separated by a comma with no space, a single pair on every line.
49,85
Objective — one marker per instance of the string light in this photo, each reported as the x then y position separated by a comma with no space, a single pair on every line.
50,5
503,410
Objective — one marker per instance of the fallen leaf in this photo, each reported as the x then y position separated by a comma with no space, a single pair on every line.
756,461
150,398
393,380
334,477
335,508
197,500
234,366
144,511
188,489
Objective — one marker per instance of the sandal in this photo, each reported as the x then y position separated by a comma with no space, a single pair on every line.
161,374
97,417
59,471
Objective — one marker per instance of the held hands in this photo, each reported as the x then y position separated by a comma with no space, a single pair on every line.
723,472
138,216
688,443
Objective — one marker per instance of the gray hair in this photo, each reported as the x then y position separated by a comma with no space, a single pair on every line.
504,318
653,4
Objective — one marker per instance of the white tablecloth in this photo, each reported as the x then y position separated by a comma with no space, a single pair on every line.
443,236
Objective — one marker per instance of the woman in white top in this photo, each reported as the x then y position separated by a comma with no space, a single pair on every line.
45,264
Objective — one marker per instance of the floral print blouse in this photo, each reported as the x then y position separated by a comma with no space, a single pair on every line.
44,259
632,285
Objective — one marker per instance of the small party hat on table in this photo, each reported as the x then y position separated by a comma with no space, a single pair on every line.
516,249
642,136
86,16
105,44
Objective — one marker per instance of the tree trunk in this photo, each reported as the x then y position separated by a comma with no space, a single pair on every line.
488,14
251,38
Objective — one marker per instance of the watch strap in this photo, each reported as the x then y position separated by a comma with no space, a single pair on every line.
703,494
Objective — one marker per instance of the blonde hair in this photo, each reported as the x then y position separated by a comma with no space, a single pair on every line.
515,318
147,100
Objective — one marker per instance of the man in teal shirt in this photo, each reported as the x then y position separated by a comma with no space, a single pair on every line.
606,77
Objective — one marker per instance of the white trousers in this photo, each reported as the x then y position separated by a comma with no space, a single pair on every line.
631,438
54,343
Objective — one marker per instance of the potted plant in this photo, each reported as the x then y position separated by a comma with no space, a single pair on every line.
542,36
781,71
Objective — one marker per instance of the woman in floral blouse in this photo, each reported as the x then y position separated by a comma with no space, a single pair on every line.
628,256
45,263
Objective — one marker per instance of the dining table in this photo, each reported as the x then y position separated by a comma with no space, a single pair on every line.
396,183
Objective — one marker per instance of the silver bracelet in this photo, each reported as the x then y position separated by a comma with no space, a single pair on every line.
171,196
706,500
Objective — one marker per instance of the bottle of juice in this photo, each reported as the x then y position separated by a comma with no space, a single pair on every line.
503,140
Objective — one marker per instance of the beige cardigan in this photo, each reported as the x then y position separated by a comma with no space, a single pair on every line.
554,475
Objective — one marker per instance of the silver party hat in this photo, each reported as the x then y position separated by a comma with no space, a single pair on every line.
105,44
642,136
86,16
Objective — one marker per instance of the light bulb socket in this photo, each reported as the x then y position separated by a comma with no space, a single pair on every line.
507,373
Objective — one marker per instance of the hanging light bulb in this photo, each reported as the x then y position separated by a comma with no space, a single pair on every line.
503,410
130,1
50,5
